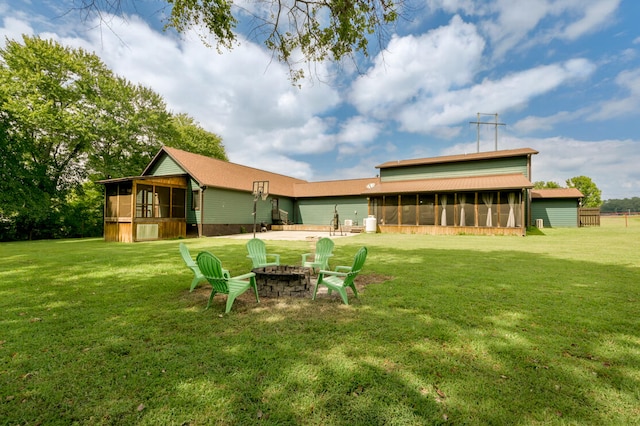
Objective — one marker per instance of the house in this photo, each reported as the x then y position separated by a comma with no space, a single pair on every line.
555,207
181,194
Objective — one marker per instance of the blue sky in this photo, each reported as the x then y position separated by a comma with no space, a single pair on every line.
564,76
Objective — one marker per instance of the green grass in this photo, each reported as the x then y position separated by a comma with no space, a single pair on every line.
461,330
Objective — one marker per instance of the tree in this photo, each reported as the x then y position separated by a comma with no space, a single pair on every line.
131,123
44,96
66,119
193,138
621,206
320,30
47,92
80,217
588,188
546,185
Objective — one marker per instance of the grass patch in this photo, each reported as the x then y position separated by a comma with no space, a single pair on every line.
448,330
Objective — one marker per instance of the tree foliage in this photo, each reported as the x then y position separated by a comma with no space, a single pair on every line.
592,195
130,124
318,29
621,205
65,121
193,138
546,185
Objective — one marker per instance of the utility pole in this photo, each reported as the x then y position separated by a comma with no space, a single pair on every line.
494,123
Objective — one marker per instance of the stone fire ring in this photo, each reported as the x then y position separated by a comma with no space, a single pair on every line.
283,281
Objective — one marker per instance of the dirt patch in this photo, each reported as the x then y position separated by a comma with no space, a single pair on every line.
363,280
200,295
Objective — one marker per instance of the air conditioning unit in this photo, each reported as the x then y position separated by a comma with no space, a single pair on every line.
348,222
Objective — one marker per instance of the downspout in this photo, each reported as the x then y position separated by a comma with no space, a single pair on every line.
523,193
528,192
201,225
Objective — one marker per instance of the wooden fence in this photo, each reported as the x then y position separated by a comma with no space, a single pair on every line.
589,216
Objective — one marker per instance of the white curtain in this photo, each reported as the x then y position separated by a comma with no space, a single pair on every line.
463,200
488,201
511,222
443,219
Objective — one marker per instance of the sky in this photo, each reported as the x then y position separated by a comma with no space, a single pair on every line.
563,77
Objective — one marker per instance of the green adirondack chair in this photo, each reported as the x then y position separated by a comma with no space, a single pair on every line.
258,254
324,250
191,264
342,277
233,287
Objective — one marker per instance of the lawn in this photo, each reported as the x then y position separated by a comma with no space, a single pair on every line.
447,330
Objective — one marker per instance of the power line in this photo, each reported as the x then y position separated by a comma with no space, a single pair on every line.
493,123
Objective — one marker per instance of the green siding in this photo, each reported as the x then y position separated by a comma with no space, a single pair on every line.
320,211
285,204
555,213
223,207
193,216
453,170
230,207
166,166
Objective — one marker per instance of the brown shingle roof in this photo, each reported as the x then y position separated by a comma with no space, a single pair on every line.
223,174
459,158
556,193
216,173
334,188
515,181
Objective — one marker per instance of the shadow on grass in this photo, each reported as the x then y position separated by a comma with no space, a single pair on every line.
112,336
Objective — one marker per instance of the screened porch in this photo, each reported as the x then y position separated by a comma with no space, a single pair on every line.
465,212
145,208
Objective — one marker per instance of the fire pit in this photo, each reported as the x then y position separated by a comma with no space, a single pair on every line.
283,281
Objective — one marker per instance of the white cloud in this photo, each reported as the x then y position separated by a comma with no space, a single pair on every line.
13,29
532,123
412,66
468,7
594,15
512,91
629,82
604,110
511,24
611,164
359,130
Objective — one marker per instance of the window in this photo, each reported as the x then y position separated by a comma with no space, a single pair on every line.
153,201
144,201
195,200
162,201
112,200
124,196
